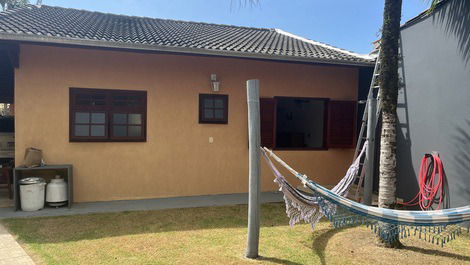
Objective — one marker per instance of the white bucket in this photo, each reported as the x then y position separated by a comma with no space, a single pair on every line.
32,197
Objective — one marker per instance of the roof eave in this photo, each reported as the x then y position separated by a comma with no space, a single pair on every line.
170,49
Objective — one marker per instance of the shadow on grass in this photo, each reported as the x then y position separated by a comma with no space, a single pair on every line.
96,226
278,261
104,225
321,241
437,253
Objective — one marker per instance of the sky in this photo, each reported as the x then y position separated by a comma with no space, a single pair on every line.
349,24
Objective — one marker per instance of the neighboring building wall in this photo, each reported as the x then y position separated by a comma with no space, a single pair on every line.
434,102
177,159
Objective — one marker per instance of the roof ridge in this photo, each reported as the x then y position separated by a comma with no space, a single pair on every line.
292,35
146,17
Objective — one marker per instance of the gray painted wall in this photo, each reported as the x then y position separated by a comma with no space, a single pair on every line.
434,100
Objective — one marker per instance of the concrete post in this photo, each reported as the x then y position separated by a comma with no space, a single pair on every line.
252,87
370,152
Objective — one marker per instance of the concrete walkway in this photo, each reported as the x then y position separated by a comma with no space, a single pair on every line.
11,253
144,205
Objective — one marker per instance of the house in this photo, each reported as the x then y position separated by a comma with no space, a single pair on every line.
147,108
433,103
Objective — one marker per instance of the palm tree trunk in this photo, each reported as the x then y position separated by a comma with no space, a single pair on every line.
388,95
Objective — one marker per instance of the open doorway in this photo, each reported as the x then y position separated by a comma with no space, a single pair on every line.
300,123
290,123
8,57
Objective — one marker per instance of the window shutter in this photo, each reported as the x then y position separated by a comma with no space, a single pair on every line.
107,115
268,122
341,124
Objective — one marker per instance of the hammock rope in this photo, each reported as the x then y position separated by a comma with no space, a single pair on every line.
299,205
437,226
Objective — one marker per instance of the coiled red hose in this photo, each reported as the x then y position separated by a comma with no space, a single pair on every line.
431,183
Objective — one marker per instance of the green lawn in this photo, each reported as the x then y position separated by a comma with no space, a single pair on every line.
214,235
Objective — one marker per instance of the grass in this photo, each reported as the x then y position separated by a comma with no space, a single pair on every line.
214,235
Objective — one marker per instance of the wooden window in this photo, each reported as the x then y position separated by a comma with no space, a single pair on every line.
213,108
342,124
128,116
107,115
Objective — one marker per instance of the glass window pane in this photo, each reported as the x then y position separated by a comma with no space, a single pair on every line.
219,103
135,131
81,130
208,103
135,119
119,118
208,114
97,130
98,118
219,114
119,130
82,117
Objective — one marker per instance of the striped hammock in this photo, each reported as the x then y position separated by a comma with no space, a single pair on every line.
437,227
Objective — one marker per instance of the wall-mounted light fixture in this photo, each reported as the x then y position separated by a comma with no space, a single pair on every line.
215,85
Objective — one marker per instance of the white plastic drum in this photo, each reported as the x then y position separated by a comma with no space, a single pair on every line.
56,192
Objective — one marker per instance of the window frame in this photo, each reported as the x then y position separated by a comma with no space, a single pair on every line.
324,146
202,120
109,110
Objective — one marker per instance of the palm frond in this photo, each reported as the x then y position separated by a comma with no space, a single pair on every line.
433,5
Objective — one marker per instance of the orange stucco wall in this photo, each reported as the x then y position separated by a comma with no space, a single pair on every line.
177,159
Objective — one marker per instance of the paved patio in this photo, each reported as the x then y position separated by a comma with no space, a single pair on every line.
11,253
144,205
